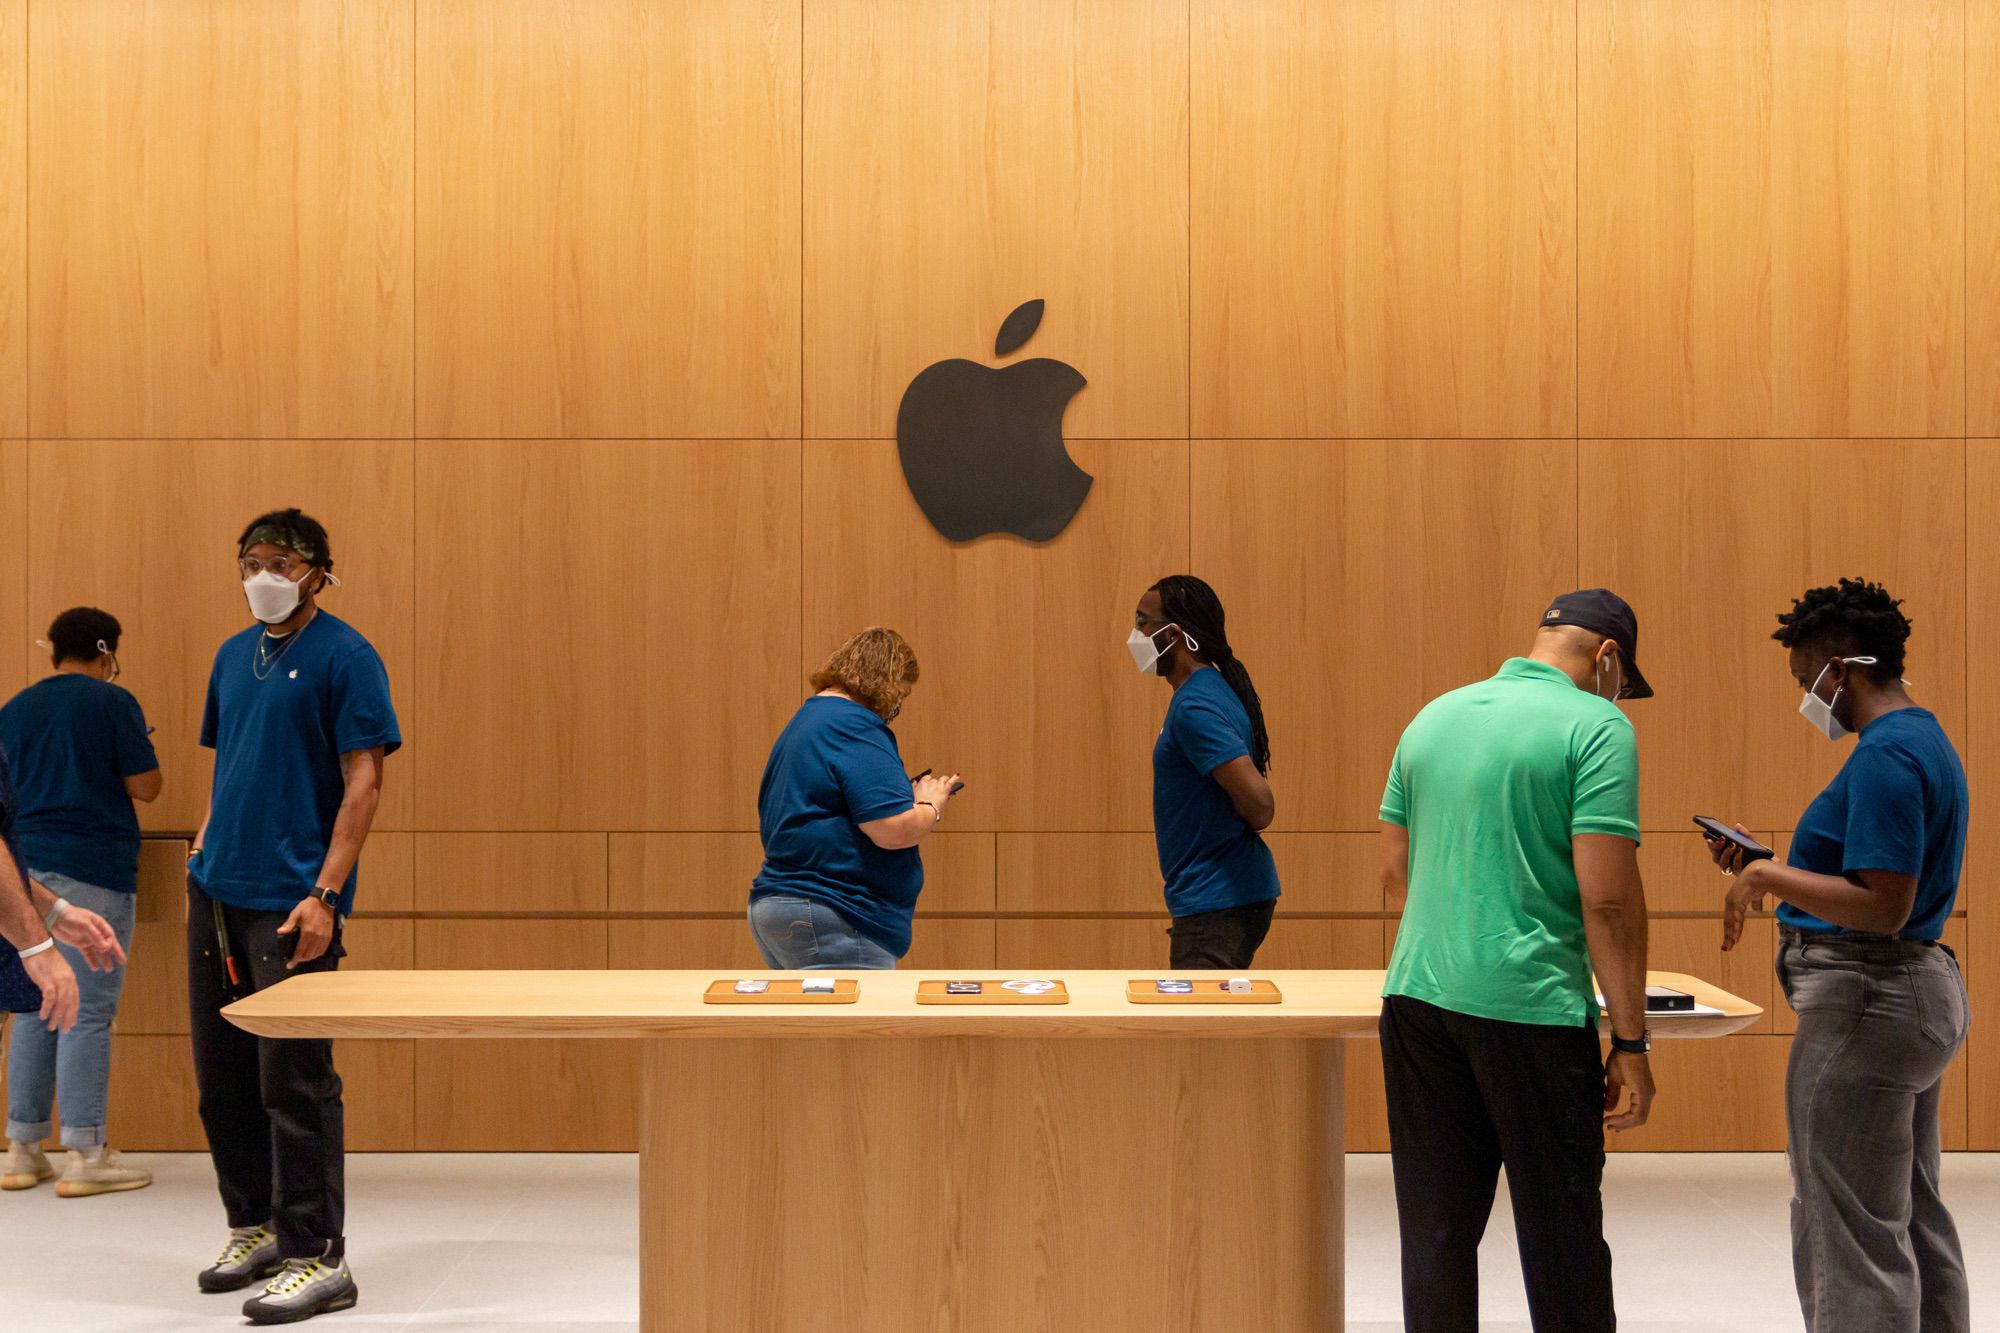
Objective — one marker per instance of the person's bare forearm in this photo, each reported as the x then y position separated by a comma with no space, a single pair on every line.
1617,936
1833,898
350,833
20,917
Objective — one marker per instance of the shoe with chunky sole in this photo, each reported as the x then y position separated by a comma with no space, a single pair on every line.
100,1172
250,1256
302,1289
26,1167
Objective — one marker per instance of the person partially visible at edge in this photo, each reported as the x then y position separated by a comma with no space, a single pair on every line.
1510,833
81,754
841,819
1864,893
1212,795
300,720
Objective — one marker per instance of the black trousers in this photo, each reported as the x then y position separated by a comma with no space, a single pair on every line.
271,1109
1468,1096
1220,940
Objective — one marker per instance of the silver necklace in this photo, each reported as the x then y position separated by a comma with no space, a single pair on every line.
268,659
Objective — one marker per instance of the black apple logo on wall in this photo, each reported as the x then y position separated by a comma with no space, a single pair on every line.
983,449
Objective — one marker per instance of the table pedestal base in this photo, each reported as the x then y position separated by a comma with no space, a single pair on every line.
912,1185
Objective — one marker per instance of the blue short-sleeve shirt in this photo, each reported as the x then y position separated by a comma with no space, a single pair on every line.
1899,804
1209,858
279,717
834,768
73,740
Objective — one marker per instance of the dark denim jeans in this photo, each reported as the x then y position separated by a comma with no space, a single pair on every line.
1874,1248
1219,940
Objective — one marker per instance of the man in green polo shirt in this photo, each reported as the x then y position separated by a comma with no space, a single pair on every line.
1510,826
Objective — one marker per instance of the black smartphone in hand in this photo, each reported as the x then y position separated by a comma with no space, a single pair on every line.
1752,849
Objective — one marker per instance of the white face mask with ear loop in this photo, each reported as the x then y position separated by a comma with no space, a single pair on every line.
273,597
1146,651
1819,711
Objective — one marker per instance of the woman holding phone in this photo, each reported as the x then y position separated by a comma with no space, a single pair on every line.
1211,790
841,818
1863,895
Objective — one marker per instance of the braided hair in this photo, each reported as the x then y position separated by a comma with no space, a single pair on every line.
1192,604
1849,619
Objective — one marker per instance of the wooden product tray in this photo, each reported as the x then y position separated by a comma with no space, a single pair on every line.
787,990
1204,992
991,992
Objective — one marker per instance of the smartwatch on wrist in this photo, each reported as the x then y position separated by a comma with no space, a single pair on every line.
1643,1046
328,898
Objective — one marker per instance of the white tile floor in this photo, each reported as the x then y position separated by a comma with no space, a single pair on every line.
542,1244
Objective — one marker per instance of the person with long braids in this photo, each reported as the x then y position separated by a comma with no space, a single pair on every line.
1211,787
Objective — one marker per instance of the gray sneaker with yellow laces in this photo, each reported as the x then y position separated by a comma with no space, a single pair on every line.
304,1288
251,1255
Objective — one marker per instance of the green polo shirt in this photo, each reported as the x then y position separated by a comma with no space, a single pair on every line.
1492,781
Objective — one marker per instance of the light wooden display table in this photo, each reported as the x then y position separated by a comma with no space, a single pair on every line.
1094,1167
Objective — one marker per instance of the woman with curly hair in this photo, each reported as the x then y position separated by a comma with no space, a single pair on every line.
1863,897
841,819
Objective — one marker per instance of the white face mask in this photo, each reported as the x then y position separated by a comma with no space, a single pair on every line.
273,597
1819,711
1146,652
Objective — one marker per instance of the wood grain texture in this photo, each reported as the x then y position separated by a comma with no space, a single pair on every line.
1709,541
511,872
390,863
1982,762
1026,688
712,872
1714,1092
608,239
1140,947
1771,218
961,159
1981,1060
1384,219
1120,872
650,613
15,635
13,218
521,1096
1982,217
220,219
1324,553
1120,1205
184,503
1678,873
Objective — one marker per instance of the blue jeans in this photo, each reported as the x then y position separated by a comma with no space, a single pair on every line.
76,1064
798,934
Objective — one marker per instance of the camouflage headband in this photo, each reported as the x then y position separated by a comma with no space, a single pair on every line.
270,534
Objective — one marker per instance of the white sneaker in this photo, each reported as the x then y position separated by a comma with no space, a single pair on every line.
302,1289
100,1171
27,1166
250,1256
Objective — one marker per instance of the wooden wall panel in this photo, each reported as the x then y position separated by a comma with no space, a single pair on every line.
389,872
220,219
608,238
1694,945
1729,1091
723,945
1054,943
523,1096
1709,541
1384,231
712,872
1982,974
1678,873
961,159
1120,872
1771,217
183,504
640,636
1982,215
1982,762
511,872
13,219
1026,688
15,635
1365,578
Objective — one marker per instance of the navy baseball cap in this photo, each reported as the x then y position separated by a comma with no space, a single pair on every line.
1602,611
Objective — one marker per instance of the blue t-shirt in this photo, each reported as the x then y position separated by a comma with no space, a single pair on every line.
1209,858
278,742
835,767
1899,803
73,740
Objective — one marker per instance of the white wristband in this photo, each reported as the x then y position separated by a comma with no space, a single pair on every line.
55,913
34,949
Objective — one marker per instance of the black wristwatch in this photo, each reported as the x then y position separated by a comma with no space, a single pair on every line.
328,898
1643,1046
